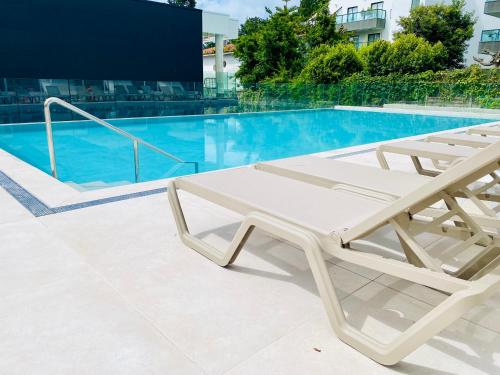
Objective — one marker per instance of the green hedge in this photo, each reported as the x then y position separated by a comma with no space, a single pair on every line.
465,87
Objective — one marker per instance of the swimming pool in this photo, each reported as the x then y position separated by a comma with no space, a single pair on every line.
88,153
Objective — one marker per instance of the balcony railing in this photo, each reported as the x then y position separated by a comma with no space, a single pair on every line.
492,8
373,19
490,40
361,16
490,35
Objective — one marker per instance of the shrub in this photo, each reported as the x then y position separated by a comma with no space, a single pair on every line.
412,54
331,64
408,54
374,56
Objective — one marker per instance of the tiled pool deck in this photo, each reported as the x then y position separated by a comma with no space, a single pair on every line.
110,289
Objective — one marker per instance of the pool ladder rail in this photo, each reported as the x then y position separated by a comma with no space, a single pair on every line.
135,140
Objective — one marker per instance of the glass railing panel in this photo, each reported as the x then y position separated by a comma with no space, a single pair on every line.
154,166
490,35
21,100
299,96
361,16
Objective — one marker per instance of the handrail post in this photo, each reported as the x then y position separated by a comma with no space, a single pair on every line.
50,140
136,160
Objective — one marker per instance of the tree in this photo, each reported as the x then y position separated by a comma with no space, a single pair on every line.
252,25
330,64
183,3
448,24
247,49
322,29
279,48
273,50
308,8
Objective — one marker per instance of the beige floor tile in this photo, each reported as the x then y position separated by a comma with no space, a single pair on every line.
30,258
114,232
81,326
11,210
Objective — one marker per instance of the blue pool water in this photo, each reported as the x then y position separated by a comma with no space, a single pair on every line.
88,153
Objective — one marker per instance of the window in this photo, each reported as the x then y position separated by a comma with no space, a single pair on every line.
373,37
490,35
378,5
415,3
351,13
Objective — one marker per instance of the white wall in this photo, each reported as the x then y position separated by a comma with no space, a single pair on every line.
232,64
398,8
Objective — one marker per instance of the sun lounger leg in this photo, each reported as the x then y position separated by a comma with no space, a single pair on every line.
222,258
381,158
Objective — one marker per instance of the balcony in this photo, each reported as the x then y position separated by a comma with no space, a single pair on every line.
367,20
492,8
490,40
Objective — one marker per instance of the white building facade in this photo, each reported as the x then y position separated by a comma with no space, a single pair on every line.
371,20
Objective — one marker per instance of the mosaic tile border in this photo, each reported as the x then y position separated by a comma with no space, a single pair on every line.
38,208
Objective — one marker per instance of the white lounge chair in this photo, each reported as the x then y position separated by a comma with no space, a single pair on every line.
320,220
385,183
467,140
442,155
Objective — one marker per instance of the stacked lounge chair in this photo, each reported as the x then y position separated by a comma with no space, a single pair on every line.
454,148
446,150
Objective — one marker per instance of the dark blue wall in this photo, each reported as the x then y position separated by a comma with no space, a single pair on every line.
100,39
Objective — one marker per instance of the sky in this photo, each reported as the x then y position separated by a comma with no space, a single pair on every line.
241,9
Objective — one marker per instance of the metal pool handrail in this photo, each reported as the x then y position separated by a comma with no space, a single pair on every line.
136,141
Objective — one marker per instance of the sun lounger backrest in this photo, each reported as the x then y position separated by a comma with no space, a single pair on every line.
483,162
